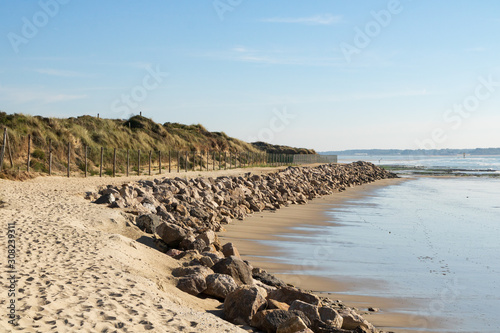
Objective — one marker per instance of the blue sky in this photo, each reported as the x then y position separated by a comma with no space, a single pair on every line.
327,75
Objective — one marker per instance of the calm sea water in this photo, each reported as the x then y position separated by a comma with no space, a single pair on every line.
434,241
471,163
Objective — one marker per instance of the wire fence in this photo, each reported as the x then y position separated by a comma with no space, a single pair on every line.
104,161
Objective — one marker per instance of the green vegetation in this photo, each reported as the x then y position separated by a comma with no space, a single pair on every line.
276,149
133,139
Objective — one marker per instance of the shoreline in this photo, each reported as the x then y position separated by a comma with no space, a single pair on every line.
253,235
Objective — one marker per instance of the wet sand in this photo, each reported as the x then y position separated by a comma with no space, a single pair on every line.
249,234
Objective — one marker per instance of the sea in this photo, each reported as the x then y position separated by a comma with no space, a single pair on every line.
432,240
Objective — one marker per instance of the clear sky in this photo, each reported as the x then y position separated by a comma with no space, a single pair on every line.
327,75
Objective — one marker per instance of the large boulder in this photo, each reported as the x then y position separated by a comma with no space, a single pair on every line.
270,320
171,233
293,325
311,311
243,303
220,285
229,249
105,199
289,294
331,317
266,278
148,222
236,268
192,270
352,320
192,284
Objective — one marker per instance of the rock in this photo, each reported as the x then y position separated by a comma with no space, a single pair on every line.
352,320
229,249
209,237
220,285
182,210
292,325
199,213
192,270
311,311
274,304
171,234
192,284
270,320
206,261
236,268
105,199
263,286
267,278
373,309
243,303
174,252
215,256
331,317
289,295
148,223
226,220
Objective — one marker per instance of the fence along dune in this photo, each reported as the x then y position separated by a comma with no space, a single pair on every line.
94,146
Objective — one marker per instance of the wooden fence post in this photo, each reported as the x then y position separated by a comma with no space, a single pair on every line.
178,161
50,157
150,162
230,160
4,144
128,162
102,160
138,162
10,150
159,162
86,160
225,161
186,161
194,161
207,159
114,162
169,161
213,160
69,157
29,154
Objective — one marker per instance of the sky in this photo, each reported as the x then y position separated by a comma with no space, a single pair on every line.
327,75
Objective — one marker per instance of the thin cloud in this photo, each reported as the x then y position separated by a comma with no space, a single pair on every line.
60,73
324,19
21,96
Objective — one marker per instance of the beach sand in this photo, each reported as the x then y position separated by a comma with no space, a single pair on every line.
247,234
81,268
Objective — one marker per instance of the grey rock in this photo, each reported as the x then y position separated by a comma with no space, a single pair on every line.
170,233
236,268
148,222
243,303
220,285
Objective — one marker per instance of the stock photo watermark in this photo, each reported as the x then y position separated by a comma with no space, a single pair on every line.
372,29
455,115
437,307
280,120
31,26
138,94
221,7
11,273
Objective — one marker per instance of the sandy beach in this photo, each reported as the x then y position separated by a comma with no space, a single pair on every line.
79,267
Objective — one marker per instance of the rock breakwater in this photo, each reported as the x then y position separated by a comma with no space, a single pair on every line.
185,214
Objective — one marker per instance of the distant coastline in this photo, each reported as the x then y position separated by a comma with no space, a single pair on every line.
413,152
